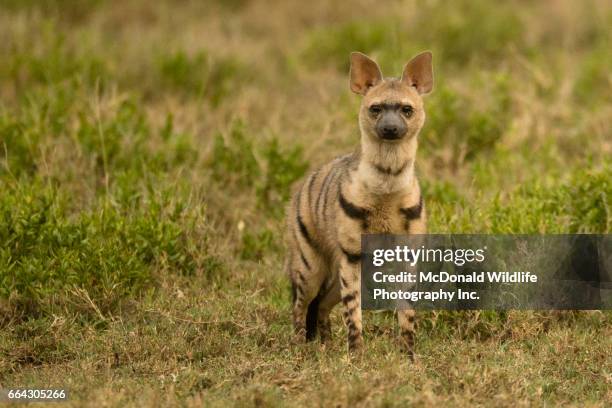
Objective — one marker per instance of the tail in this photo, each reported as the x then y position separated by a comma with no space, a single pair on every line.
312,316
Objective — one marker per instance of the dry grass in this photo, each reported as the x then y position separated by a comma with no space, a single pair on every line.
146,154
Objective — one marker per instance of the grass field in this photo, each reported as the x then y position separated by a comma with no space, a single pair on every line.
147,150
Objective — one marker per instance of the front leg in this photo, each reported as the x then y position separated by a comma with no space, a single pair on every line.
350,291
406,319
414,223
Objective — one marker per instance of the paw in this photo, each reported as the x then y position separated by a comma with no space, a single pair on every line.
407,347
325,339
299,337
355,345
410,354
325,333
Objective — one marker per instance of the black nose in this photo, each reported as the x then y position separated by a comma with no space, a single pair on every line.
390,131
390,126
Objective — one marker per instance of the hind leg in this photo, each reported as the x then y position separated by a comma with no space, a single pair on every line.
305,294
328,301
306,277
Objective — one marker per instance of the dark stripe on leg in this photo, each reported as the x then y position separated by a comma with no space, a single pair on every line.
311,181
414,212
351,257
322,190
327,193
301,225
297,243
293,292
304,231
302,279
304,261
299,292
312,315
353,211
348,298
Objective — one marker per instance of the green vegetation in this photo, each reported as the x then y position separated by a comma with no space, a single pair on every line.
201,76
103,255
244,161
471,30
147,151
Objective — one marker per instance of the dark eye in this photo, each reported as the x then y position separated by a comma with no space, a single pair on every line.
407,110
375,109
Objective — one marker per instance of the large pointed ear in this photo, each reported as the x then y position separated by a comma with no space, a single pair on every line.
419,73
365,73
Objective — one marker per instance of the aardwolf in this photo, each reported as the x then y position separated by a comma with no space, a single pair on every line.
373,190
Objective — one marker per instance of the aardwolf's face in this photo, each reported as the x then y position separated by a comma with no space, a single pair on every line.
391,109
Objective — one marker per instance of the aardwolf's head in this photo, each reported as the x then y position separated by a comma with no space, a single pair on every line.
391,109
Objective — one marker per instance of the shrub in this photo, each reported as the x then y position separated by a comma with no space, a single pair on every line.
458,35
115,136
580,204
593,85
103,254
236,159
256,245
282,168
46,58
332,45
457,125
213,78
472,30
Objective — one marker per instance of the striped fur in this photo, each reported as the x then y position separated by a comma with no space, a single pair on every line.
373,190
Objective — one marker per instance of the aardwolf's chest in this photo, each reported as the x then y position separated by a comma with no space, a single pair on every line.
386,218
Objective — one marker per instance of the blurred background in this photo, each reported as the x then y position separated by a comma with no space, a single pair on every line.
147,151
